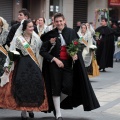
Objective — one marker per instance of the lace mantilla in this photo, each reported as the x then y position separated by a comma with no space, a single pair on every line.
33,45
3,37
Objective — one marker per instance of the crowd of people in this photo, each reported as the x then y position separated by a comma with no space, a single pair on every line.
38,74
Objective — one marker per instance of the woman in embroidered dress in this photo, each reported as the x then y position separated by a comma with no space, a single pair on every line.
25,90
92,32
88,51
41,27
3,35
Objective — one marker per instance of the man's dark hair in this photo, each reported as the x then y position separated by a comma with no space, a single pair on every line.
25,12
105,19
59,15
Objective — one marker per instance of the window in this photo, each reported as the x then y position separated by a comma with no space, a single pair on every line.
55,6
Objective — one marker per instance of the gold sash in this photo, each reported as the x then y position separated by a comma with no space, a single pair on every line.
29,50
85,42
2,49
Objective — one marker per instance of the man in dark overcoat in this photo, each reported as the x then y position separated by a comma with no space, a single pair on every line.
66,79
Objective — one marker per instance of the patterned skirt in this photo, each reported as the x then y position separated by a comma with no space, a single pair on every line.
2,61
93,69
25,90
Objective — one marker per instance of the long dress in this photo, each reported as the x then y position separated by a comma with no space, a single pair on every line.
89,56
3,36
26,89
93,69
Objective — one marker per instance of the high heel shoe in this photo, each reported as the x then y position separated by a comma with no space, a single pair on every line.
104,70
31,114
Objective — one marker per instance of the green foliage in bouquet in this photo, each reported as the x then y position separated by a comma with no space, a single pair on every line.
97,34
118,44
10,65
74,47
13,56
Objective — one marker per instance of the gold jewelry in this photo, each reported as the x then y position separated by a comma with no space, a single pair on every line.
27,38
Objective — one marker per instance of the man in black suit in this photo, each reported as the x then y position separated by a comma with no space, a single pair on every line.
105,46
61,72
77,26
62,83
23,15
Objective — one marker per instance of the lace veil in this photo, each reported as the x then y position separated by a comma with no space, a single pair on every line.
5,24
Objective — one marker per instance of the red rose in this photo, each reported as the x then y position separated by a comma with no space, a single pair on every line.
75,43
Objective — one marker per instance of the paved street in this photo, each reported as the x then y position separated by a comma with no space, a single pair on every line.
107,89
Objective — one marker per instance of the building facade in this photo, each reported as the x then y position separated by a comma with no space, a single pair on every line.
39,8
112,5
74,10
6,10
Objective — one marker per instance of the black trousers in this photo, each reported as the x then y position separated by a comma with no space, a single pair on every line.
61,78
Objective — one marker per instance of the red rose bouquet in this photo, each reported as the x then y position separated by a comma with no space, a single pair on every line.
74,47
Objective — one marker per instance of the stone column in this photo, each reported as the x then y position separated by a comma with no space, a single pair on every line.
46,11
68,12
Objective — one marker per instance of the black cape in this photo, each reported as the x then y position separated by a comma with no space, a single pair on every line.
83,93
106,47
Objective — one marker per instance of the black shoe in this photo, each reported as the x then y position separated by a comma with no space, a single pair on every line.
23,118
31,114
59,118
104,70
99,69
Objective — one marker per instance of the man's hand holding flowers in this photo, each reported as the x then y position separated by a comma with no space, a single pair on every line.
75,57
73,49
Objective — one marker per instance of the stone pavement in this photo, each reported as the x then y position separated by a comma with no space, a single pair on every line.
108,93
